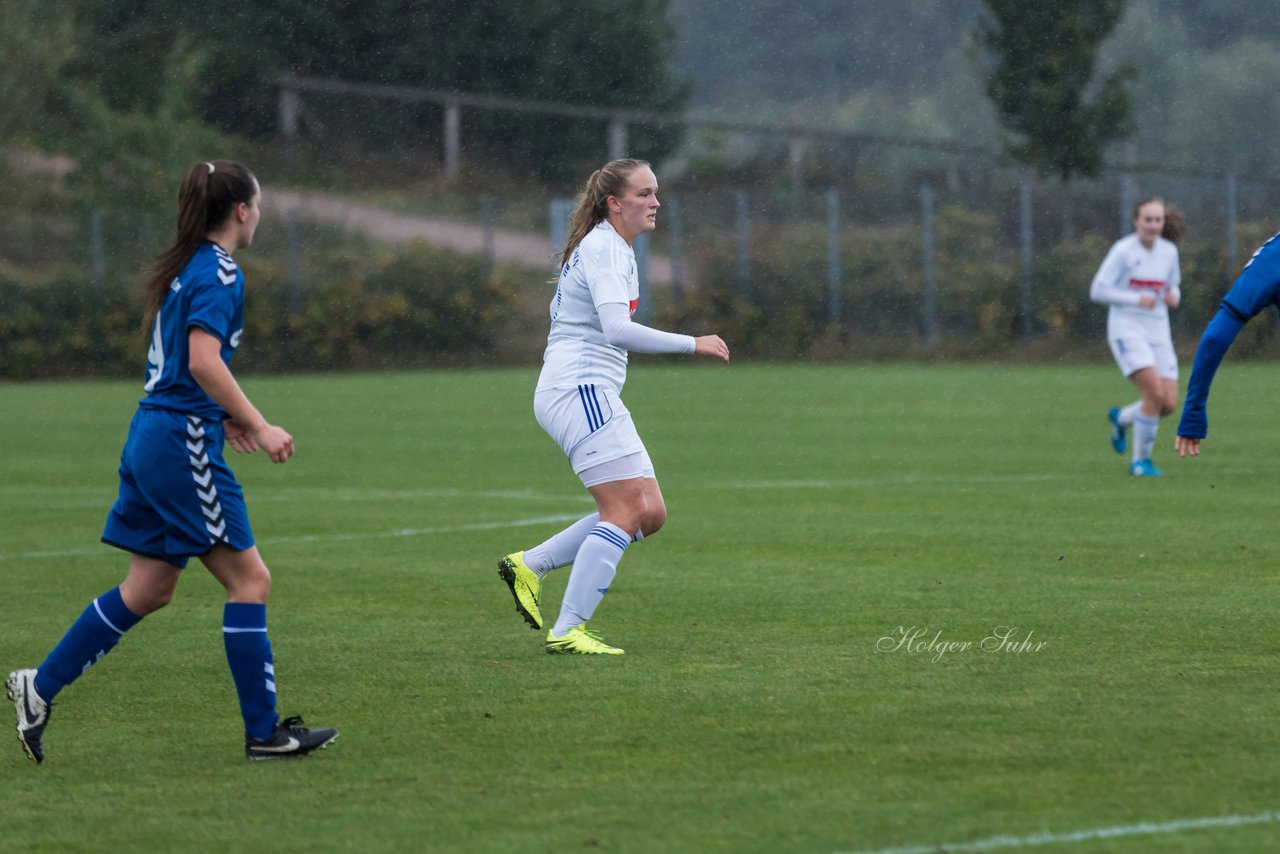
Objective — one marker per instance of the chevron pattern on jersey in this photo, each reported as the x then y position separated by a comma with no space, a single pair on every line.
203,476
226,267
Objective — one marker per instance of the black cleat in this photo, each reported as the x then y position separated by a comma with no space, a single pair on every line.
33,712
289,739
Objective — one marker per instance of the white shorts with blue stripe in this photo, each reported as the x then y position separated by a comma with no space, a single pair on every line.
591,425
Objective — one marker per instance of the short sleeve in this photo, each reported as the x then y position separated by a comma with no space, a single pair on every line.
212,308
608,271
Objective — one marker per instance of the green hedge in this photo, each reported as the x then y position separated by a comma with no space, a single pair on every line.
406,307
368,306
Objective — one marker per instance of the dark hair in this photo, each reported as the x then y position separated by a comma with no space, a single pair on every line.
1175,225
609,180
209,193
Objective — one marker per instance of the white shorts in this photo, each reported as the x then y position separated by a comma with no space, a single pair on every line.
1135,352
591,425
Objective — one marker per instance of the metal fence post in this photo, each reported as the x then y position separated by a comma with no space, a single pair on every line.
452,139
1128,189
643,309
743,219
676,229
1128,198
930,284
796,149
834,307
1024,241
295,261
99,259
617,137
290,107
1233,248
559,211
488,205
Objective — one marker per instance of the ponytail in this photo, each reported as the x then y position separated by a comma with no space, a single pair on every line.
207,196
593,204
1175,225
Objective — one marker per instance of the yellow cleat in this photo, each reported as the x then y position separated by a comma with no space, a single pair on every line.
526,587
580,641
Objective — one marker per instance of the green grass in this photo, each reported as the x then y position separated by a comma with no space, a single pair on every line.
813,511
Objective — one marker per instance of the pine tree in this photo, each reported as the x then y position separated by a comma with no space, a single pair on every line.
1043,57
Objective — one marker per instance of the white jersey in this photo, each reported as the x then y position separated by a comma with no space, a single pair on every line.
1129,271
602,269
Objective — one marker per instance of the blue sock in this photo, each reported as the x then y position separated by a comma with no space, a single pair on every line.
90,637
244,633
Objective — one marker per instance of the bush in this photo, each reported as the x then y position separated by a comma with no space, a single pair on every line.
410,308
784,310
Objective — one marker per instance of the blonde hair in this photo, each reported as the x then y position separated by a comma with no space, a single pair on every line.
593,205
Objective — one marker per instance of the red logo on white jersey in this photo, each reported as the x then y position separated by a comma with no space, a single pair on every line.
1146,283
635,303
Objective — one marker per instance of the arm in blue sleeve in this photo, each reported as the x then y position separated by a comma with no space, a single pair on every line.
1215,342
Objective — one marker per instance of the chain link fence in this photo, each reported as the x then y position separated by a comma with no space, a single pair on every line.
927,258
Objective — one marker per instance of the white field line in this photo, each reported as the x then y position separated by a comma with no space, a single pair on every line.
329,538
106,492
1141,829
101,498
310,493
885,480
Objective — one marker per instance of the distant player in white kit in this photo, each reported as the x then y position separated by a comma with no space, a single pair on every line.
577,402
1140,280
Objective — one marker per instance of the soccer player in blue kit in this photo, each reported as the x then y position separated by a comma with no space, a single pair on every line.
1257,287
178,499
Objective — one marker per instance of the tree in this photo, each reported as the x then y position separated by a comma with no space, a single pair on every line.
35,46
607,53
126,153
1043,62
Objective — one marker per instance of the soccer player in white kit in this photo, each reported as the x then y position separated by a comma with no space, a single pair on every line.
1140,280
577,402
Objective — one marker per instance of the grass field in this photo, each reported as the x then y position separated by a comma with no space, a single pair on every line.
814,513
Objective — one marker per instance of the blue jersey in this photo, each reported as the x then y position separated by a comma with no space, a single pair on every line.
209,294
1257,288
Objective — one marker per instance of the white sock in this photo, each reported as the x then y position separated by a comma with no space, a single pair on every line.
1144,436
1127,413
593,569
560,549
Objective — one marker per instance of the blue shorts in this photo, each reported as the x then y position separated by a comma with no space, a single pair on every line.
178,499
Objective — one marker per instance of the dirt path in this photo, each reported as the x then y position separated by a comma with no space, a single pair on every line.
509,247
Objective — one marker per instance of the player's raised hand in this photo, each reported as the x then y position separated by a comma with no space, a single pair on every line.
1186,446
711,345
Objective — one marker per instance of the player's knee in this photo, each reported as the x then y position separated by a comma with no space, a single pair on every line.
254,587
654,519
150,601
146,598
